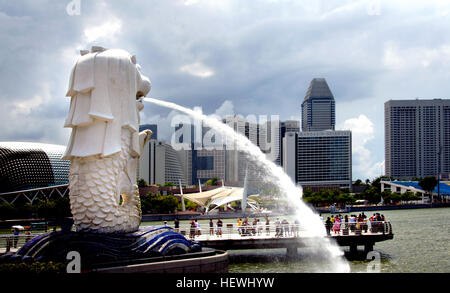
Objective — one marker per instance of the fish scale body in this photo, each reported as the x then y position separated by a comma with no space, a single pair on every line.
95,192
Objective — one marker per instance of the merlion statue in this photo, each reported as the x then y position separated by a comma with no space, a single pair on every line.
106,90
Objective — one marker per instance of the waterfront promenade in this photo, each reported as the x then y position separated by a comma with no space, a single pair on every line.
290,237
256,237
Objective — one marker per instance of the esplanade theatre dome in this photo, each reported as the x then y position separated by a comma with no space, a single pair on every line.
26,165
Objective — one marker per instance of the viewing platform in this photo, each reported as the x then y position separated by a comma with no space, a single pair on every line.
290,237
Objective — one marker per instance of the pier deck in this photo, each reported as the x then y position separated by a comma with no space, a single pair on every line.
231,239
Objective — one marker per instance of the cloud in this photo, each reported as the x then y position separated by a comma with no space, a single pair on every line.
165,129
362,133
258,55
197,69
107,30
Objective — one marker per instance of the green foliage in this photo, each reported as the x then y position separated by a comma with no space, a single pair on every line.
34,267
54,208
142,183
372,195
377,182
6,211
327,197
188,204
169,184
428,183
212,181
158,204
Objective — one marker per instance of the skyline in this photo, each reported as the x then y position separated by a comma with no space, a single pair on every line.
230,57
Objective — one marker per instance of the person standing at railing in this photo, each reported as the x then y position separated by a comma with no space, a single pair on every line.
16,236
176,224
211,227
259,225
254,228
28,235
296,227
192,230
352,223
219,227
198,231
239,225
245,229
328,225
278,231
337,225
285,228
267,226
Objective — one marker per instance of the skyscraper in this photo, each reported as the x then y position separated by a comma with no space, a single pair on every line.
318,109
160,163
286,127
417,138
318,157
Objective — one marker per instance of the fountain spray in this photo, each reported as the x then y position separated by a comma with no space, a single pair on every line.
314,230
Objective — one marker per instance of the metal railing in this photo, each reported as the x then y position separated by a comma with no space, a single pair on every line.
359,228
14,242
32,194
232,231
229,231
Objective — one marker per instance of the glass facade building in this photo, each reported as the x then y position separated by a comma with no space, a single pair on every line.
26,165
324,158
318,107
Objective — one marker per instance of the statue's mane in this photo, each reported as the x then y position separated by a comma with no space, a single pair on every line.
103,87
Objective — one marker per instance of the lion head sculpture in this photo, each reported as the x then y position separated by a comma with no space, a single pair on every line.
104,86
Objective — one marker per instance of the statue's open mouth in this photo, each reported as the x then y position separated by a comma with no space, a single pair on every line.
139,95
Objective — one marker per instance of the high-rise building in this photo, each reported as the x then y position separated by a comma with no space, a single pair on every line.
285,127
417,138
289,159
160,163
265,135
318,109
319,159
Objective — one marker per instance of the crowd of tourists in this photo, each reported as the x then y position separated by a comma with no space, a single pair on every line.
335,224
248,228
195,229
257,227
354,223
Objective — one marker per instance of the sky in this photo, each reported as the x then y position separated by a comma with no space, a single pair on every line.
253,57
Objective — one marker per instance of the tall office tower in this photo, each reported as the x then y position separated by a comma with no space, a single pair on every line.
160,163
285,127
417,138
265,135
318,109
236,163
269,140
289,159
324,159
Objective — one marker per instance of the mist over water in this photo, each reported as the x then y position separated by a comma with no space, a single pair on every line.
312,229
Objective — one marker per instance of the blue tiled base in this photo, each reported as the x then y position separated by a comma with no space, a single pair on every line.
95,248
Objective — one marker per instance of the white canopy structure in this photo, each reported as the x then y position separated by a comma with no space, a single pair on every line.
220,196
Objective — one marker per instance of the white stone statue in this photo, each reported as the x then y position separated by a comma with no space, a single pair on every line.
106,90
